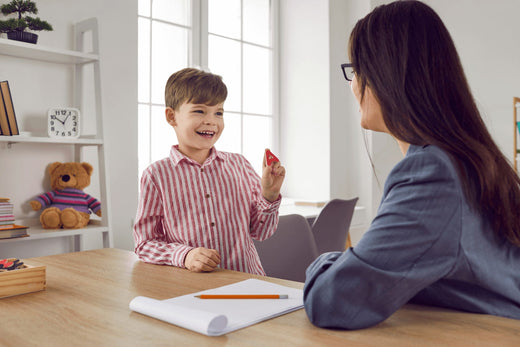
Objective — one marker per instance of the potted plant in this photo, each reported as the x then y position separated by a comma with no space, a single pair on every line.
15,27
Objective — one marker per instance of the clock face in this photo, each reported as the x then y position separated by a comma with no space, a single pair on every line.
63,122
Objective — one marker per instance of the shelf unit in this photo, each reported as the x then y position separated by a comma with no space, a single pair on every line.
516,128
77,58
34,139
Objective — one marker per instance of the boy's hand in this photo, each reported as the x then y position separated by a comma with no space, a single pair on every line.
202,259
272,178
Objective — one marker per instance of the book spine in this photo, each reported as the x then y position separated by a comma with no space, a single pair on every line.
4,124
9,108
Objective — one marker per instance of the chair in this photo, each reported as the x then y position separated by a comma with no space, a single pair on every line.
290,250
332,225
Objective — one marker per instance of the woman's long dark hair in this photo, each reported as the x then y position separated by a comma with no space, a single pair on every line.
405,54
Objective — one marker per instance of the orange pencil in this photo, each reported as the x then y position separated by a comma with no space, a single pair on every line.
242,296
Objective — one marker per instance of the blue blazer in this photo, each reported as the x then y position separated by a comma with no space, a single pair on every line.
426,245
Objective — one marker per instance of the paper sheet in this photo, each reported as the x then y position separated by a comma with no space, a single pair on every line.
214,317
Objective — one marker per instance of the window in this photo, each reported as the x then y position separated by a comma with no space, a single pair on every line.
231,38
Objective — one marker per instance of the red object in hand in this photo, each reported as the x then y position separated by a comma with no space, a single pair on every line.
270,157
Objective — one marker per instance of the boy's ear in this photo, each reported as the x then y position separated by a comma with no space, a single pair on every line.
170,116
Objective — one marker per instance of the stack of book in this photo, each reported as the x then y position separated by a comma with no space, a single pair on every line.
8,228
8,124
6,213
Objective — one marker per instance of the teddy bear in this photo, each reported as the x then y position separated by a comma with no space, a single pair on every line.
67,205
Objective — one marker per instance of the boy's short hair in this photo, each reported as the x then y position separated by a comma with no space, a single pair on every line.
194,86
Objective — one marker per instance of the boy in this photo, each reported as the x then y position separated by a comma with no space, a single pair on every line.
200,208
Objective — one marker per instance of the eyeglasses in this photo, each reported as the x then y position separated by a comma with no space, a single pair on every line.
348,71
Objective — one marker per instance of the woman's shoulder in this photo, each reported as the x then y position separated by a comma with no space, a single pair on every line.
425,164
428,157
427,150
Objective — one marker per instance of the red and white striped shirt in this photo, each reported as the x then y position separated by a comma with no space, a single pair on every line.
218,205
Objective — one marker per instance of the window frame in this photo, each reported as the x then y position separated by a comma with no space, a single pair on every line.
198,51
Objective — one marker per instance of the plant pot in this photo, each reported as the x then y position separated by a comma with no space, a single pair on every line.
22,36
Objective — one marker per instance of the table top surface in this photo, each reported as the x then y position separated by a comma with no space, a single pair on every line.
87,296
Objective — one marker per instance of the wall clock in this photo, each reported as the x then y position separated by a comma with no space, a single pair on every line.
63,122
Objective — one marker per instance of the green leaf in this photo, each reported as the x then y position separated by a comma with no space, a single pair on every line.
22,22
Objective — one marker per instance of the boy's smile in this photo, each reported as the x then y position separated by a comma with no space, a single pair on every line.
198,127
208,134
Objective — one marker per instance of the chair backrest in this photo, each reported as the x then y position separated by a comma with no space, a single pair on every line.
331,227
290,250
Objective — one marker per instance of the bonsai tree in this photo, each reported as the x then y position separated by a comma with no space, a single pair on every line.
22,22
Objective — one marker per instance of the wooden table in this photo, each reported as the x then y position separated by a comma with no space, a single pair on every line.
87,296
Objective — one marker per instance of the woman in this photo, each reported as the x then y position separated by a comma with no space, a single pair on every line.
447,232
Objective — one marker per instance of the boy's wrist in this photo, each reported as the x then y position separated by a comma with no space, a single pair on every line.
271,197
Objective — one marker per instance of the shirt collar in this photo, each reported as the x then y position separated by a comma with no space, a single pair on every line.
177,157
415,148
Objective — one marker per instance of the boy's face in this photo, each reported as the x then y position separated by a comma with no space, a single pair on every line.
197,126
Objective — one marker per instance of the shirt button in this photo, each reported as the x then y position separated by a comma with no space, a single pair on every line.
212,224
207,196
201,169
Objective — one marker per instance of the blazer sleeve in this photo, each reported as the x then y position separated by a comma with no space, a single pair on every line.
412,242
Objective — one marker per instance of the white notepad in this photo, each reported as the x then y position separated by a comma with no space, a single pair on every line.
215,317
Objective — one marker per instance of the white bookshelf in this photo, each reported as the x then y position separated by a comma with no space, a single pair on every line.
77,58
516,111
35,139
41,53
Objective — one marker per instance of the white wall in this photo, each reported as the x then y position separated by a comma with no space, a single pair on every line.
118,28
304,98
348,156
320,138
117,21
316,107
488,41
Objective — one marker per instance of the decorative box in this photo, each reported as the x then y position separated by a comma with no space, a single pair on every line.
28,279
